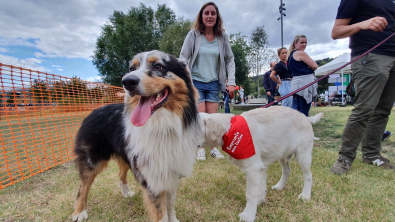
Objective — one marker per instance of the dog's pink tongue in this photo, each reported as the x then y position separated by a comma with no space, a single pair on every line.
141,112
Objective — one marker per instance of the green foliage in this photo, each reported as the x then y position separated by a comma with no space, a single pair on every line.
10,100
164,17
254,82
40,90
262,91
260,55
125,35
321,62
96,93
253,86
240,51
76,87
65,92
259,38
323,84
173,38
59,90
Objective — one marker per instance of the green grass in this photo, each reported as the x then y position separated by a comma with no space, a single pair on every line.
216,190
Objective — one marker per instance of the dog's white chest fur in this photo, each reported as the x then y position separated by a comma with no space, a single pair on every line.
165,149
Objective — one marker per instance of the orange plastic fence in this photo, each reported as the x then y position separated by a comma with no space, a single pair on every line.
40,114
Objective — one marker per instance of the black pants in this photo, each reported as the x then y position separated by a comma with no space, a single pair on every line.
270,98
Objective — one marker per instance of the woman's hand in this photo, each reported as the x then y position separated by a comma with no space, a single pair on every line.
231,89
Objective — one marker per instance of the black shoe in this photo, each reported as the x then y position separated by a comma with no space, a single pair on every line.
386,135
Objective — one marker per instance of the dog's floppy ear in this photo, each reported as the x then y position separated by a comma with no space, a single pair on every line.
184,63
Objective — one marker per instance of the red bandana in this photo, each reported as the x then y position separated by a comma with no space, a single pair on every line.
238,141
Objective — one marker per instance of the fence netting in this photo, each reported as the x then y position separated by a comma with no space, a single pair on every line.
40,114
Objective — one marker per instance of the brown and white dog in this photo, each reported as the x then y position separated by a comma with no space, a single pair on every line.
277,133
155,133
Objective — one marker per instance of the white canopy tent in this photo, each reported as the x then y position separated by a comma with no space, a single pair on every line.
335,64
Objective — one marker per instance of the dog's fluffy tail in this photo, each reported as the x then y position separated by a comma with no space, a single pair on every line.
315,119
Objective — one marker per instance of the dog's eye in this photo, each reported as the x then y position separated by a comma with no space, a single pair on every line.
131,69
157,67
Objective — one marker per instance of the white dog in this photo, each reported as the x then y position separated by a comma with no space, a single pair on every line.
277,133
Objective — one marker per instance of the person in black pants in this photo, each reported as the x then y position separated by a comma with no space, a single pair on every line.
269,84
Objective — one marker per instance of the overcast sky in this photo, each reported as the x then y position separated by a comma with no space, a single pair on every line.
59,36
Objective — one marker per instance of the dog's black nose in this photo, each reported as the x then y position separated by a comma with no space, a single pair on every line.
130,82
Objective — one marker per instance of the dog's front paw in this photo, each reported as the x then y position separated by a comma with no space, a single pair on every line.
128,194
304,196
125,190
244,216
80,217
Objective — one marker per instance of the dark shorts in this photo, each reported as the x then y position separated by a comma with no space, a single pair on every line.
208,92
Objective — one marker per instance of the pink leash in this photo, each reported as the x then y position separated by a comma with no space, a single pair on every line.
304,87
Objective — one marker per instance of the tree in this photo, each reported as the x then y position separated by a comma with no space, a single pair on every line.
164,17
260,55
40,90
11,97
259,38
174,37
321,62
76,87
323,84
125,35
240,51
59,90
96,93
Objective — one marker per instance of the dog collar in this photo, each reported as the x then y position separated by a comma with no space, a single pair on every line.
238,141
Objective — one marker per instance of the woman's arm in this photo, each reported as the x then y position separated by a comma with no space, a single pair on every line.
229,64
187,46
342,29
274,78
304,57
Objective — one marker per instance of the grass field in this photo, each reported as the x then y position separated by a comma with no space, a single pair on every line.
216,190
35,143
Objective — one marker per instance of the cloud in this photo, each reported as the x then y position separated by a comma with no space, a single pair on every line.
94,79
69,29
5,40
3,50
328,50
306,17
29,63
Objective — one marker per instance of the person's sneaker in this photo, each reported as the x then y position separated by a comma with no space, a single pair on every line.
201,155
378,161
386,135
216,153
341,166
